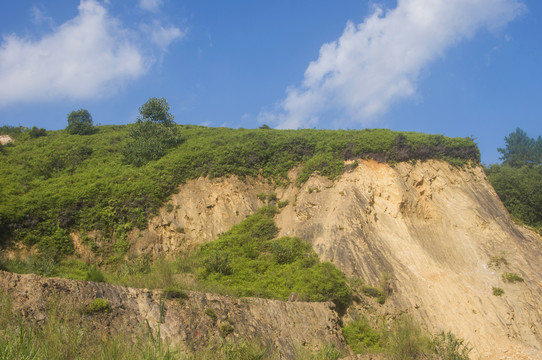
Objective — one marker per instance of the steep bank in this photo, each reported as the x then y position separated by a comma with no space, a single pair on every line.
191,323
432,227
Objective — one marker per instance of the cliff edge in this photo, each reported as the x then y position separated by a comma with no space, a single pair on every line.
440,233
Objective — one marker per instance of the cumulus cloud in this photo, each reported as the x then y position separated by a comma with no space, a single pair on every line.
87,56
377,62
91,55
150,5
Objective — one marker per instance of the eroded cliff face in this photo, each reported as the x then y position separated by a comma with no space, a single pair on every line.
431,227
198,213
281,326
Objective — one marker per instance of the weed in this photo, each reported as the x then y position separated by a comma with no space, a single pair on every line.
406,340
95,274
171,292
361,337
226,327
448,347
211,313
282,204
98,305
497,261
511,277
497,291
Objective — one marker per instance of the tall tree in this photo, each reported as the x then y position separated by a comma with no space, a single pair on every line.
521,149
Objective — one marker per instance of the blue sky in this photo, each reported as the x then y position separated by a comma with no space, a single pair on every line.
458,68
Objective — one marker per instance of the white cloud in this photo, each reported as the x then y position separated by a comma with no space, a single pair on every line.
89,56
85,57
376,63
150,5
164,36
39,17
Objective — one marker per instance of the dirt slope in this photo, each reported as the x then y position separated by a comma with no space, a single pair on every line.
283,326
432,227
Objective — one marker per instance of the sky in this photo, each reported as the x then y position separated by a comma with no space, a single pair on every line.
462,68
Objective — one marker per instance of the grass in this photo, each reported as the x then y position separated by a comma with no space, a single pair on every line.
67,334
403,339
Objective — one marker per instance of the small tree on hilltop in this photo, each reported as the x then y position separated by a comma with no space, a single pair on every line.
157,111
153,133
80,123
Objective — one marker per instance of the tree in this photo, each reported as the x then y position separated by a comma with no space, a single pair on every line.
521,150
80,123
153,133
157,111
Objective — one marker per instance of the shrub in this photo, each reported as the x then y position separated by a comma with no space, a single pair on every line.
226,328
246,261
448,347
282,204
511,277
171,292
406,340
153,133
497,291
211,313
375,293
35,132
98,305
361,337
80,123
95,274
497,261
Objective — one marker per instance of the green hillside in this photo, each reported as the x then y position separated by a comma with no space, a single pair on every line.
54,183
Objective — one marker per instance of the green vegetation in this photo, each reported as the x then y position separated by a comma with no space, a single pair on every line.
497,291
79,123
54,184
248,261
98,305
519,179
449,347
403,339
153,133
497,261
521,150
512,277
380,294
67,334
519,190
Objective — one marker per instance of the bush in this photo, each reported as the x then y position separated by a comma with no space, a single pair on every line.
448,347
35,132
511,277
497,291
80,123
361,337
247,261
406,340
153,133
98,305
95,274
